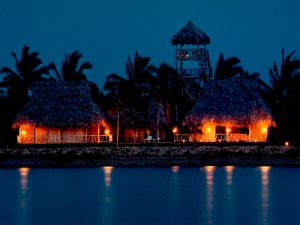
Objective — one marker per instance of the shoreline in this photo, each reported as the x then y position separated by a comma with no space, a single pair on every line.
154,156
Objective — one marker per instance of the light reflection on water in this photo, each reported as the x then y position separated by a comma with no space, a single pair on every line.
23,171
174,195
209,171
264,191
175,169
229,170
107,171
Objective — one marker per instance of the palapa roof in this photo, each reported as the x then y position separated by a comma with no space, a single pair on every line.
190,34
236,100
59,104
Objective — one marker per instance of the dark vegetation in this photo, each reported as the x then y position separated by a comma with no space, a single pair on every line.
146,93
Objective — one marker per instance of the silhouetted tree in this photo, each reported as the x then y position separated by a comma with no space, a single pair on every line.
118,96
227,68
282,96
28,69
71,70
165,89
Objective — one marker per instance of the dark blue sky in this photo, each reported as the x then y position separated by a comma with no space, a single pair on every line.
107,32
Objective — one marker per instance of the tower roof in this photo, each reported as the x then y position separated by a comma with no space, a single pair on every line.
190,34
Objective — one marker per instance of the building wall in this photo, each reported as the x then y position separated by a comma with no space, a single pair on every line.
41,135
134,135
54,135
26,135
257,132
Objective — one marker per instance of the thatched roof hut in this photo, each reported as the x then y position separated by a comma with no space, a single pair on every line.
190,34
230,101
59,104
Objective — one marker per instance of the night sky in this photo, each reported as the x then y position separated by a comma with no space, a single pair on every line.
107,32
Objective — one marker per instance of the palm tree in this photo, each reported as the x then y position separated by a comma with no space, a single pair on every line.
227,68
282,95
113,85
140,70
28,70
165,89
119,98
70,69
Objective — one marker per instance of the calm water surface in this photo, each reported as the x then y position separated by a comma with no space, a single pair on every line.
170,195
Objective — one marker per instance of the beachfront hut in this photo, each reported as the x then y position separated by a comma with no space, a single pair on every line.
61,112
231,110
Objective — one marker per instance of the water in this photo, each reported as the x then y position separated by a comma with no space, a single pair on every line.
174,195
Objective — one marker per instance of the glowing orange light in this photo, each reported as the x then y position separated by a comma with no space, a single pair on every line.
175,130
286,143
107,171
23,132
255,140
229,168
264,130
106,132
264,168
208,130
209,168
228,130
24,171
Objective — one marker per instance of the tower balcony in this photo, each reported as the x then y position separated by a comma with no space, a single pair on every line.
191,54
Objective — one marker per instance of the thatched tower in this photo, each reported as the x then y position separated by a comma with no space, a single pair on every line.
61,112
232,110
192,57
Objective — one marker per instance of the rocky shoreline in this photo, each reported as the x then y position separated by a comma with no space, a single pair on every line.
150,156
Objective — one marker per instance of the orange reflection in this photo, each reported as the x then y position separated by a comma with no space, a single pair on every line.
229,170
107,171
209,171
264,174
265,191
175,169
23,171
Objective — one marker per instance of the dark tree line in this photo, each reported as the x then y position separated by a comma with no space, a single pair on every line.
146,94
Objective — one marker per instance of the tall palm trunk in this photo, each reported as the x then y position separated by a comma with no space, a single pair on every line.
157,121
118,128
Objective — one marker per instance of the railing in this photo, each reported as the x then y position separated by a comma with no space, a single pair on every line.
64,139
196,73
238,137
221,137
182,138
191,54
